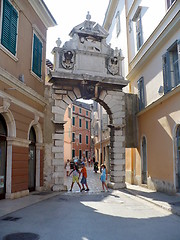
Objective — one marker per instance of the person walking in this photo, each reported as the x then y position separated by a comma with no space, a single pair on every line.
103,177
67,167
84,178
76,175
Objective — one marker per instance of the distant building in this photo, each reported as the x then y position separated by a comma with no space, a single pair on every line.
100,134
77,131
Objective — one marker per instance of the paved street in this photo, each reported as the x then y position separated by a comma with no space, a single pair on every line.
92,215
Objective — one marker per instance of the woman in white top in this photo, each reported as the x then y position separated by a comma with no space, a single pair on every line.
67,167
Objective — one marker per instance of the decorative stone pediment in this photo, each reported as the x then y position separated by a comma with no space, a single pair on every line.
87,53
89,28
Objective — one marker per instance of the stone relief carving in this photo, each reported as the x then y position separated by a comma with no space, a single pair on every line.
6,105
113,66
113,62
68,59
90,44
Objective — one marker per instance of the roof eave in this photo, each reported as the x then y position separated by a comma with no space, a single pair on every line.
43,12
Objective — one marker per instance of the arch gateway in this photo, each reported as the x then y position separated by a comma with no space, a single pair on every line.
85,67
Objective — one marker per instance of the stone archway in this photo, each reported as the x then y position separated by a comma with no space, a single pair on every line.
86,67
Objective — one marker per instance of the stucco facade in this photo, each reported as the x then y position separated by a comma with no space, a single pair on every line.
77,131
22,101
149,39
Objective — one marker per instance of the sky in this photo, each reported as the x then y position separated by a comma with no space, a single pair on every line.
70,13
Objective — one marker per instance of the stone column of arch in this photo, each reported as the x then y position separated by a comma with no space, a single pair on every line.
62,99
114,103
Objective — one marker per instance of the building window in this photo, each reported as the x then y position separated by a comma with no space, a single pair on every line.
9,27
80,154
139,38
138,23
73,137
87,154
37,56
171,67
80,138
117,24
87,113
80,122
87,125
141,93
87,139
80,110
69,132
73,153
73,121
69,112
169,3
73,108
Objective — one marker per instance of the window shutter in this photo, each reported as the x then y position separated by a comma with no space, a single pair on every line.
37,56
178,52
141,93
9,27
166,73
165,77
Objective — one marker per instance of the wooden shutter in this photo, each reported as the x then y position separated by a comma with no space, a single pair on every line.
141,93
9,27
37,56
166,73
178,62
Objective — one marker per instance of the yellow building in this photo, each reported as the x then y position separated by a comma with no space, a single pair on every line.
148,33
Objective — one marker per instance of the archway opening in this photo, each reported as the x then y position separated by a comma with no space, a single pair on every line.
144,161
32,161
86,135
178,159
3,157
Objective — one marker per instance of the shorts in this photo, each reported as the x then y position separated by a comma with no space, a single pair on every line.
83,180
75,179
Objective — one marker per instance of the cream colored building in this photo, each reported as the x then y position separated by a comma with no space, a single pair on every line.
100,135
148,33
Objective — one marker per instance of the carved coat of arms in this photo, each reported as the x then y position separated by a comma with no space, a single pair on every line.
68,59
113,65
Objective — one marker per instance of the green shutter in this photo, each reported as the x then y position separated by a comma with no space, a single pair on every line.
9,27
37,56
166,73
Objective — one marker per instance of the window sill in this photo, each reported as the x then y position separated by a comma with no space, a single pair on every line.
5,50
34,75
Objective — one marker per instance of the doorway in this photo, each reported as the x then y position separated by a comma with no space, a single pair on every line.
144,161
178,160
3,158
32,161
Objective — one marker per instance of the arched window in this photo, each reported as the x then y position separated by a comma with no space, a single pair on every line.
32,135
3,128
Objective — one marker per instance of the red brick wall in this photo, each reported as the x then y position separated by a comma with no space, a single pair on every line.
20,157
